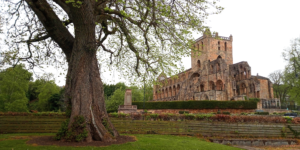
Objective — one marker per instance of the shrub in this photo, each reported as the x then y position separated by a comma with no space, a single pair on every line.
254,99
203,116
288,119
114,114
183,112
198,105
261,113
189,116
225,113
77,131
243,113
154,116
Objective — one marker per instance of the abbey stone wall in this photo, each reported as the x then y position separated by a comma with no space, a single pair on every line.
213,75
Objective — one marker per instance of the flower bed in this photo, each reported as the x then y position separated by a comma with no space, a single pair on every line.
209,117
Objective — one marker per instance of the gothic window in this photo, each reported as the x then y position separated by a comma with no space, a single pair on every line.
218,67
201,45
218,45
198,64
225,46
219,85
211,69
243,89
211,85
174,90
201,88
198,47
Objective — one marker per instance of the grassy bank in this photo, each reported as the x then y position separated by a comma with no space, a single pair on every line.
144,142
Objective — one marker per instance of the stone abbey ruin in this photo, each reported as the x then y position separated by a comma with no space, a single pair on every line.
213,76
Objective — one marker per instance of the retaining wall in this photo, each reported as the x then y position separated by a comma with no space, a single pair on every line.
50,124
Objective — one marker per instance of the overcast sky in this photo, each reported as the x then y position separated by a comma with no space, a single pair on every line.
261,30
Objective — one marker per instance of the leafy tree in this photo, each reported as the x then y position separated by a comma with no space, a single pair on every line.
115,100
109,89
46,91
54,102
139,36
33,89
13,88
137,94
292,69
281,87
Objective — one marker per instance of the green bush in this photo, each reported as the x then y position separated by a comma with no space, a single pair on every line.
183,112
224,112
261,113
254,99
77,131
198,105
243,113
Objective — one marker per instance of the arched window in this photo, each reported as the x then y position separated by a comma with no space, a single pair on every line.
201,88
211,69
218,67
198,47
225,46
211,85
219,45
201,45
220,85
198,64
243,89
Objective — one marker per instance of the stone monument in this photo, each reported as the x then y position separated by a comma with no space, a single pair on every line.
127,107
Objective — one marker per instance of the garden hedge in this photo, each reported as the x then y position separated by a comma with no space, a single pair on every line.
197,105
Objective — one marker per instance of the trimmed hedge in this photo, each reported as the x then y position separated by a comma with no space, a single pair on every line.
197,105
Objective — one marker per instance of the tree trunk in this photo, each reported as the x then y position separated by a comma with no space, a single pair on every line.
84,89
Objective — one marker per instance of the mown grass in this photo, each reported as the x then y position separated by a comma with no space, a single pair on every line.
144,142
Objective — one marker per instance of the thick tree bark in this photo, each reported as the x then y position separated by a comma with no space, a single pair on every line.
84,88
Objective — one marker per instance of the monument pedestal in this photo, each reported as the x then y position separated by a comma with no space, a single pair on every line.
127,108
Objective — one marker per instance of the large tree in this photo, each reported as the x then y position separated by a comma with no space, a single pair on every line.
139,36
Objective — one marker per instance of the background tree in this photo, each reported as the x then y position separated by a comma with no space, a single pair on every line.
112,104
46,91
281,87
13,88
138,36
292,69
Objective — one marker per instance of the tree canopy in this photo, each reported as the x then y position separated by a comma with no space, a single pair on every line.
13,88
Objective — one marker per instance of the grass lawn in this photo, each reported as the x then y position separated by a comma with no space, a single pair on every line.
144,142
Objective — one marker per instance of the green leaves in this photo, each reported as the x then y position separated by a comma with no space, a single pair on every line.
46,91
13,88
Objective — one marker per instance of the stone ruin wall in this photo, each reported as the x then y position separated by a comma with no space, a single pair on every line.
213,76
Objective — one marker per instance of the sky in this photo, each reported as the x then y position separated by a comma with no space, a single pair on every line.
261,30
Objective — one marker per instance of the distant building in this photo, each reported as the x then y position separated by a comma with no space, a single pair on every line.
213,75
